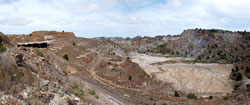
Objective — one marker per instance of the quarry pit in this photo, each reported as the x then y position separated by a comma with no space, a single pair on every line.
203,79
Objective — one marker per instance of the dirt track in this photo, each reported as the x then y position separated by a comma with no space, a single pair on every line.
202,79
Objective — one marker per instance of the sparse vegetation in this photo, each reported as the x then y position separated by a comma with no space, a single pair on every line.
225,98
76,89
2,47
248,87
65,72
37,101
236,86
238,76
92,92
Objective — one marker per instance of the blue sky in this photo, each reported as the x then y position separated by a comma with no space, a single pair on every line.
122,18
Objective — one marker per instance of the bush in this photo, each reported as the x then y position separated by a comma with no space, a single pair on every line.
2,48
130,77
226,98
176,94
238,76
211,97
66,57
233,70
237,86
191,96
237,68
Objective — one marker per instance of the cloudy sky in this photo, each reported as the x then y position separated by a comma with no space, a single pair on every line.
126,18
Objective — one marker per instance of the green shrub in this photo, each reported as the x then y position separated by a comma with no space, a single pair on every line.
66,57
1,39
2,48
238,76
237,86
191,96
233,70
237,68
130,77
176,94
211,97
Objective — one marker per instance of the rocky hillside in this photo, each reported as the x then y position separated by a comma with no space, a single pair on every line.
99,71
209,45
69,71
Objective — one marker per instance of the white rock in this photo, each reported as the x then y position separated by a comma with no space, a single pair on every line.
77,99
44,83
25,95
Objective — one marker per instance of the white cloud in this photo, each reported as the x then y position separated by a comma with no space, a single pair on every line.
15,21
88,18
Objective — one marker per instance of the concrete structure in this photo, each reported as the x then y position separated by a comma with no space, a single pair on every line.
48,37
41,44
